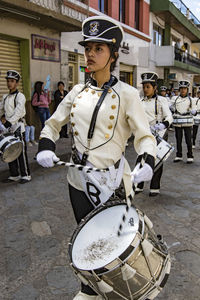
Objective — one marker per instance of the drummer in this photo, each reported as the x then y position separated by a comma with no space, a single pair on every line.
100,141
163,93
183,106
197,117
159,117
12,112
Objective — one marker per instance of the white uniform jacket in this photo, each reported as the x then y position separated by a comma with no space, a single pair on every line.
120,115
182,106
197,103
13,107
157,110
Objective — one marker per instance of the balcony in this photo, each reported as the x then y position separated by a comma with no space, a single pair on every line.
169,56
178,16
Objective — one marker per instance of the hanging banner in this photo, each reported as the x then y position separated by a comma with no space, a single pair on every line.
44,48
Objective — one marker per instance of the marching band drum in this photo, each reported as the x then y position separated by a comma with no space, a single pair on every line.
10,147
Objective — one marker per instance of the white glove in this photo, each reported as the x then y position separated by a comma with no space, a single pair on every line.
159,126
47,158
141,174
3,129
193,112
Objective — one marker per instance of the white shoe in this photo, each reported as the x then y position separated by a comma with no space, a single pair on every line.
190,160
82,296
193,146
34,143
138,190
30,144
177,159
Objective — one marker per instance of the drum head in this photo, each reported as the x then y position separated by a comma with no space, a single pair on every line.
97,243
12,151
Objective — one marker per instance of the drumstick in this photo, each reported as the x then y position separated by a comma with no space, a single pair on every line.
80,167
130,198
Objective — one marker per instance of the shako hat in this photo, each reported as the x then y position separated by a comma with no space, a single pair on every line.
163,88
13,75
149,77
184,83
103,30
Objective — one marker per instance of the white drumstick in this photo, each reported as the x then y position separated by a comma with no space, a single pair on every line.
130,199
80,167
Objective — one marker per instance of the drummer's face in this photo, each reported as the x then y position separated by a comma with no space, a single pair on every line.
183,91
97,56
148,89
12,84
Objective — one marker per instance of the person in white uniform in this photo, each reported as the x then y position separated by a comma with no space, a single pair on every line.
196,119
184,109
12,112
159,117
103,113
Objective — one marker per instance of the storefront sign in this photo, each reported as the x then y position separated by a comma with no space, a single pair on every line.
44,48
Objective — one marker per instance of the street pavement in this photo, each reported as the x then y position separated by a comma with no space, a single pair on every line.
36,224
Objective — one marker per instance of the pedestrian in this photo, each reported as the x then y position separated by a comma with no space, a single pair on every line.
59,95
159,117
30,135
184,109
12,112
41,99
104,113
196,119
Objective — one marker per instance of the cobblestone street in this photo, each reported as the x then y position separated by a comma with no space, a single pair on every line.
37,222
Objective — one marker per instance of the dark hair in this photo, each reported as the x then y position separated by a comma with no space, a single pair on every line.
38,88
60,82
113,51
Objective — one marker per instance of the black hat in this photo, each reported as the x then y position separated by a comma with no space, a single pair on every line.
102,29
13,74
184,83
163,88
149,77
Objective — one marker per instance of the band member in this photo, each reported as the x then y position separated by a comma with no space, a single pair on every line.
184,109
159,117
103,113
12,111
163,93
196,119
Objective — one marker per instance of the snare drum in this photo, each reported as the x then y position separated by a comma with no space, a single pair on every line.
197,120
183,120
164,150
10,147
134,265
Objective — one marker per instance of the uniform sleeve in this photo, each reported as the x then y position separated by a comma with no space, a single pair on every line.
194,103
19,111
50,133
144,141
166,113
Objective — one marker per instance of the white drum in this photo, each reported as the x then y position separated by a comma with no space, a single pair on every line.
10,147
134,265
164,150
197,119
183,120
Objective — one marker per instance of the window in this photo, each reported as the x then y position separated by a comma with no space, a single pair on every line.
158,34
103,6
122,11
137,14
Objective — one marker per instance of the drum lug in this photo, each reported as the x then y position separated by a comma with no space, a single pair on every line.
127,272
104,287
147,247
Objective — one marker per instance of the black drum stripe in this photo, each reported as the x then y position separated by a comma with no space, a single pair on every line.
4,146
140,227
126,253
164,280
100,271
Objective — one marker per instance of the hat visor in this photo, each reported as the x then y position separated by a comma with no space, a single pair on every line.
93,40
11,77
148,80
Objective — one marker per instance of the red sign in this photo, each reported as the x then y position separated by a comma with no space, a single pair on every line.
44,48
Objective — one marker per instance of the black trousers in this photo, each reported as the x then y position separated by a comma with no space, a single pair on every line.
20,165
188,139
81,207
194,135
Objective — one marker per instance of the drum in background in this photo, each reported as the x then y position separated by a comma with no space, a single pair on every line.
164,150
183,120
134,265
10,147
197,119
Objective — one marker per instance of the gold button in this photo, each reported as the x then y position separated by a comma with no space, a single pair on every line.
107,136
93,92
73,124
109,91
114,40
112,117
72,114
74,105
113,106
79,96
113,96
76,132
86,89
99,94
109,126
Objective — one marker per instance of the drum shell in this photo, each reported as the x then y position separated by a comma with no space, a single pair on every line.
183,120
10,147
143,282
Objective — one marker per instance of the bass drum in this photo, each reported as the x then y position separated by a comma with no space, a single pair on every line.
10,147
134,265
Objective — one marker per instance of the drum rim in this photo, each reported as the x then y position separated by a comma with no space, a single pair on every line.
130,249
